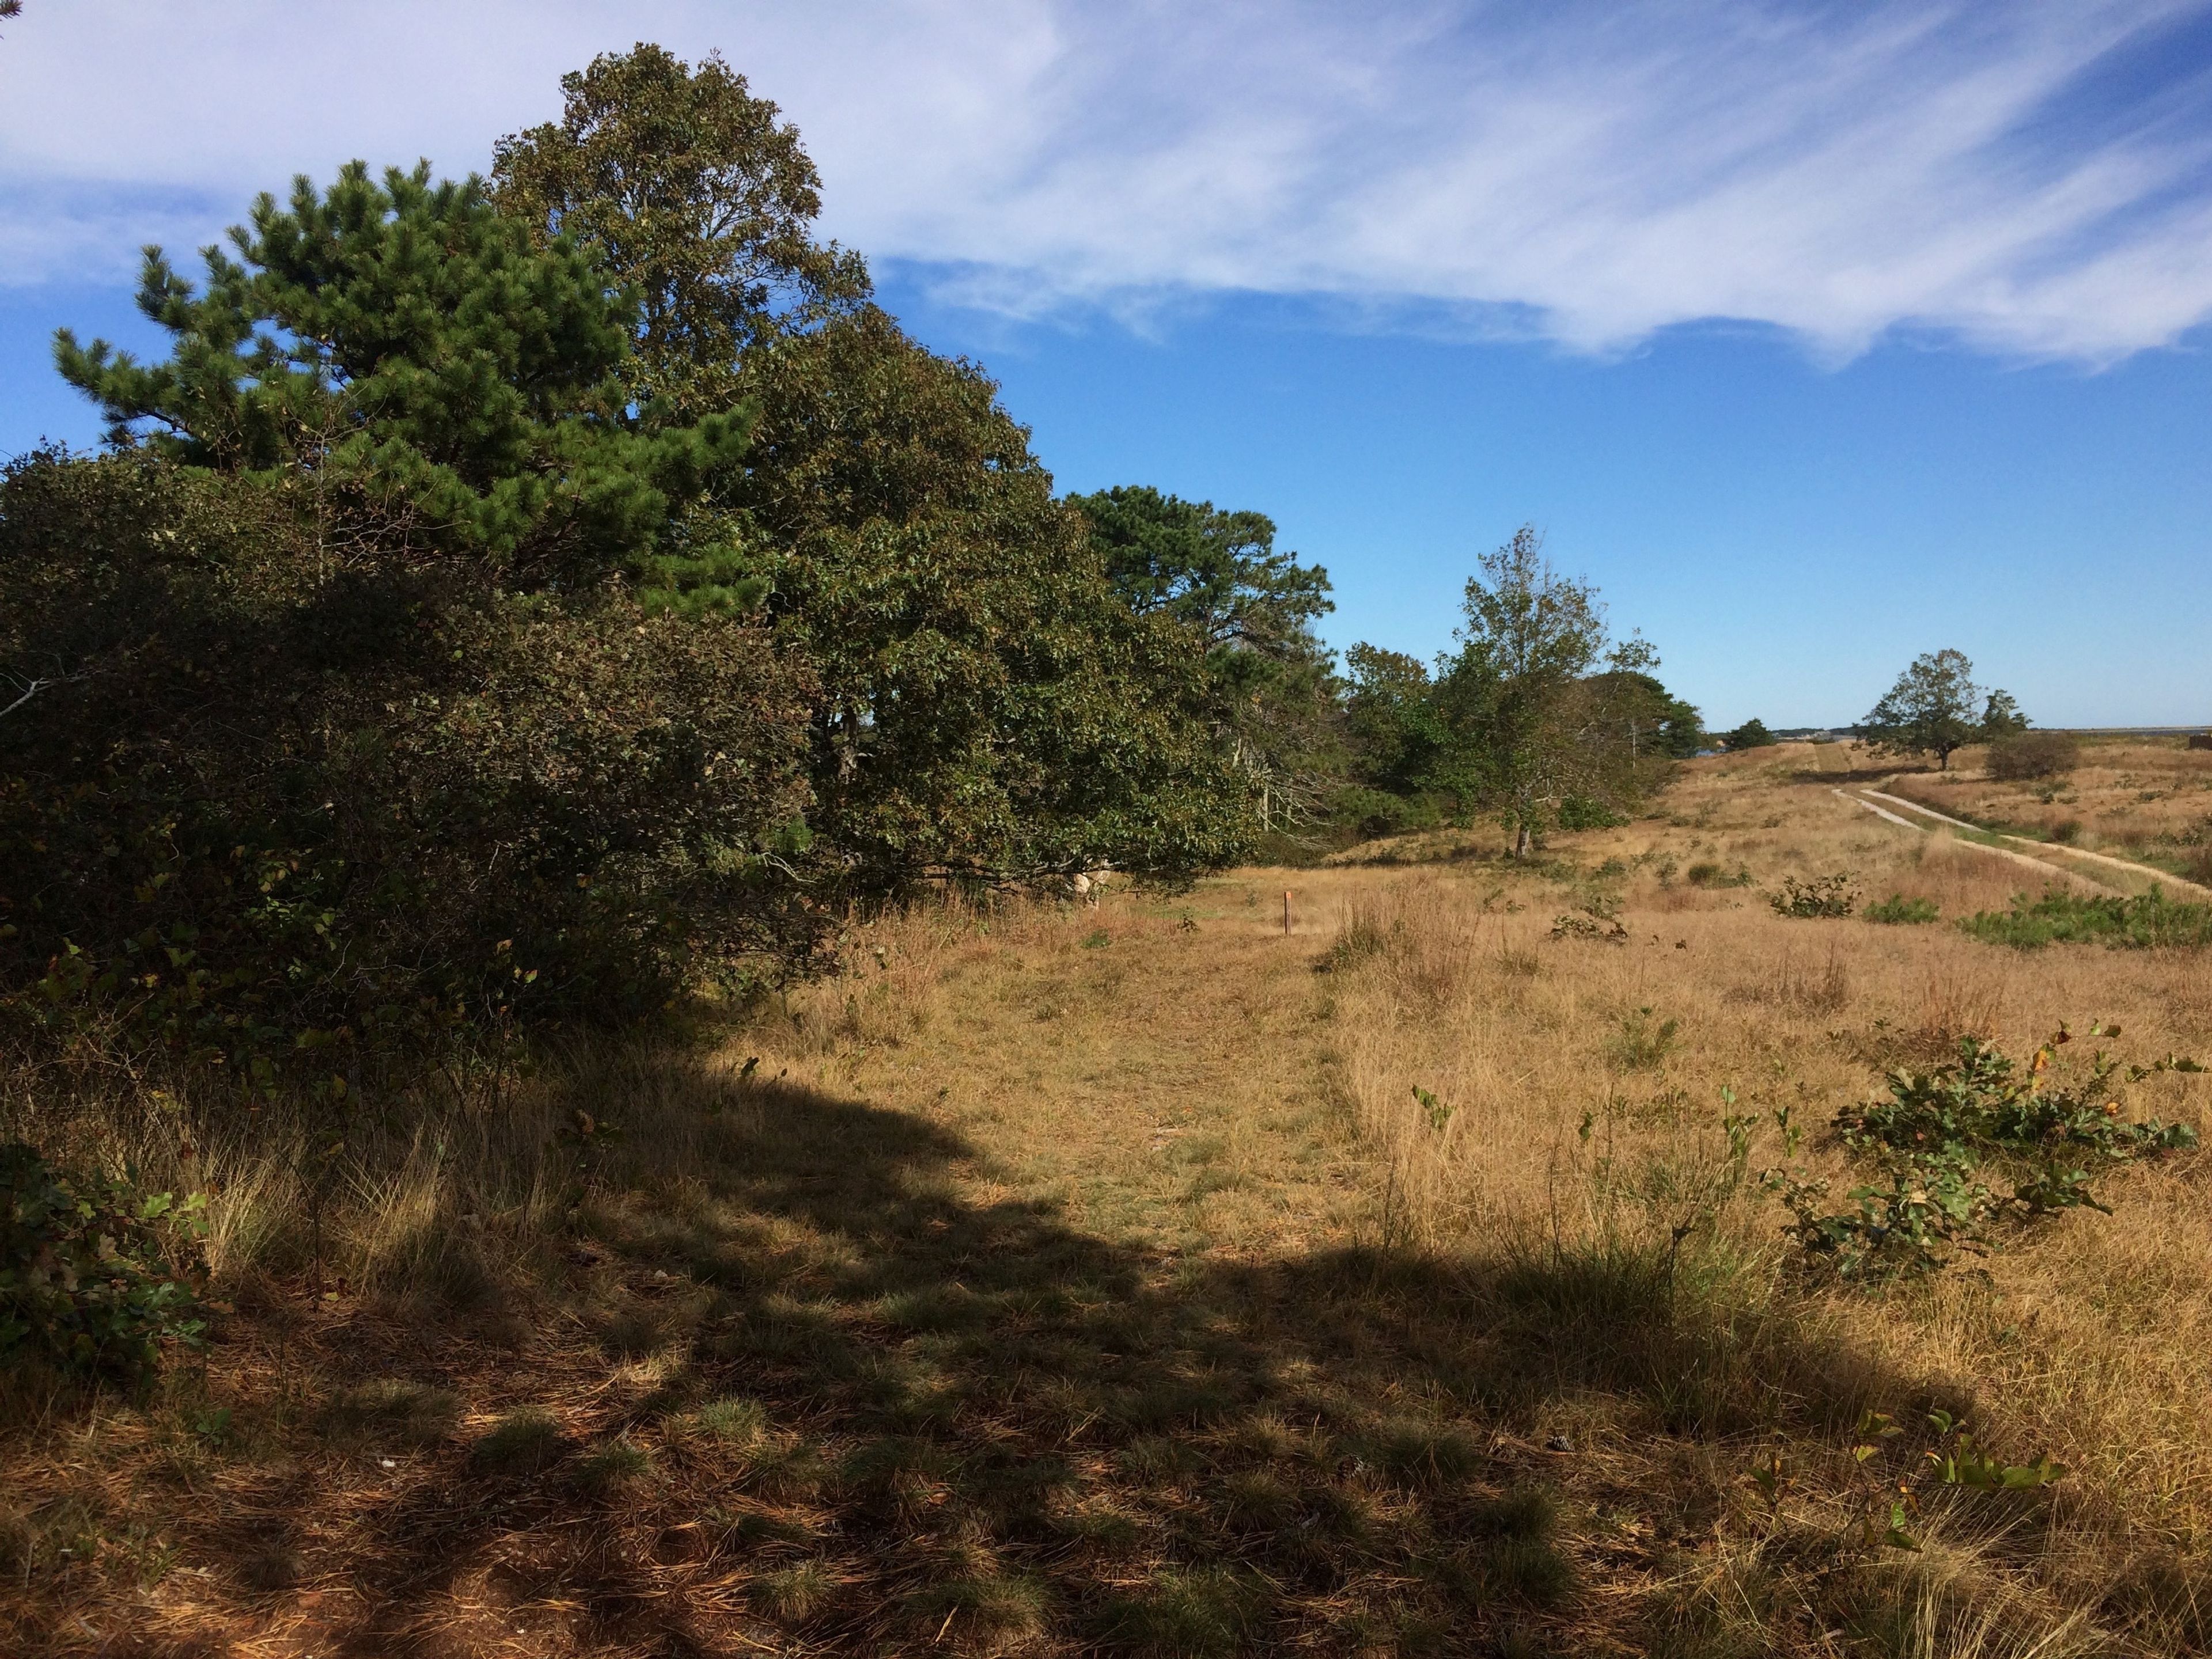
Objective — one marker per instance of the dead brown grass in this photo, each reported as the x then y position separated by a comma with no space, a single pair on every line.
1066,1279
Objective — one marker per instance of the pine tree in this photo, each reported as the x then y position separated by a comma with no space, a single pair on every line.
403,356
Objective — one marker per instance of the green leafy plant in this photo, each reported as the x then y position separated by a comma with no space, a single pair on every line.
1963,1462
96,1277
1896,910
1887,1500
1831,895
1439,1112
1944,1136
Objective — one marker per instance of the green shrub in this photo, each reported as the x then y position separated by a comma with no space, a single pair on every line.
462,805
1829,895
2033,755
1936,1142
1581,813
95,1277
1706,873
1897,910
2146,921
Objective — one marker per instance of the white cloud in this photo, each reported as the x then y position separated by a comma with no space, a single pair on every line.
1586,170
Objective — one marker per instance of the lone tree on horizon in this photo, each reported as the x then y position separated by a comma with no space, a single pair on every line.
1935,707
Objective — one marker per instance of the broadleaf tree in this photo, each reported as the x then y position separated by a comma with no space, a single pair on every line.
990,710
1534,696
1936,707
694,191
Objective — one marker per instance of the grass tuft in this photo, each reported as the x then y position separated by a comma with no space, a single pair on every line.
1189,1613
733,1419
520,1443
610,1468
796,1594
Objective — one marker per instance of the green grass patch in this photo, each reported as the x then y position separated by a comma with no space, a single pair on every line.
617,1464
1896,910
2145,921
519,1442
1189,1613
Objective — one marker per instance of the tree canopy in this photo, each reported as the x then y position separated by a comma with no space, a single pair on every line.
988,709
1251,610
694,193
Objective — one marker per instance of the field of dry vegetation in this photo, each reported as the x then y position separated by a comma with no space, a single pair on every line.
1140,1278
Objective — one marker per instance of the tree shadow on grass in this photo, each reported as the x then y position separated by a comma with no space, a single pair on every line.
815,1400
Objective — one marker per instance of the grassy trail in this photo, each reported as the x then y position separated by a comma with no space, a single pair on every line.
1165,1085
851,1384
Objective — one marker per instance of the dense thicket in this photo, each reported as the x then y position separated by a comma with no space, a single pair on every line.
266,798
337,712
985,709
1271,695
988,707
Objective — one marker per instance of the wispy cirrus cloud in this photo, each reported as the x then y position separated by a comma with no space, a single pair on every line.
2034,180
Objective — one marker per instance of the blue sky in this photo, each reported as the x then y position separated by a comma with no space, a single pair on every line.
1817,335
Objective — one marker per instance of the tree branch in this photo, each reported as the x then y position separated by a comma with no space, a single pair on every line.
33,687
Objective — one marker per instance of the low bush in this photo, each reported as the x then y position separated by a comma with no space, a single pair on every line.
2145,921
1709,874
1581,813
96,1278
1935,1143
1897,910
2033,755
1831,895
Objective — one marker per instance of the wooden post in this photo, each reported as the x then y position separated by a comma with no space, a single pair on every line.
1286,913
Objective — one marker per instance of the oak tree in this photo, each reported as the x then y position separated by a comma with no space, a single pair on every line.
1936,707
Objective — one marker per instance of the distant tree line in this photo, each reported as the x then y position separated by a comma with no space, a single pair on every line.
515,598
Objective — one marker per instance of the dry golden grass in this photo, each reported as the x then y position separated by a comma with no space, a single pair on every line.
1066,1279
